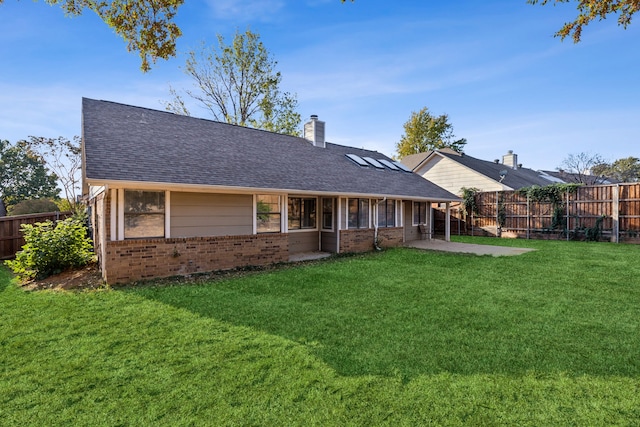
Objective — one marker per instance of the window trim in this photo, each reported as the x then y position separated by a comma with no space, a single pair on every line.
279,212
121,214
383,205
413,213
302,229
359,226
333,210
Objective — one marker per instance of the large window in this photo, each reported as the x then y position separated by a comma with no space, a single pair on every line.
143,214
301,213
267,213
327,214
387,213
358,213
419,213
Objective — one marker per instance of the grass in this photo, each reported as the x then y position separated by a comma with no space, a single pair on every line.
402,337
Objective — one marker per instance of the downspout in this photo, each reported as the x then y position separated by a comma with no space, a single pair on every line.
375,225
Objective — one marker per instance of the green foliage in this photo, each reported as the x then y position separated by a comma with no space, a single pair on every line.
469,200
51,248
238,83
146,26
593,234
424,131
554,194
502,211
33,206
623,170
590,10
23,174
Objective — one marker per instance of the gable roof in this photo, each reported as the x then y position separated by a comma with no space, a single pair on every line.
514,178
123,143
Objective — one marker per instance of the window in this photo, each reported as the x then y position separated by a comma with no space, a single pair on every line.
327,214
143,214
267,213
419,213
387,213
302,213
358,213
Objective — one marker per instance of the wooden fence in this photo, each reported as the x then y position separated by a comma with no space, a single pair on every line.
509,214
11,239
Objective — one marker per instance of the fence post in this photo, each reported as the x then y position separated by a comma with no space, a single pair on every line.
615,213
528,217
567,222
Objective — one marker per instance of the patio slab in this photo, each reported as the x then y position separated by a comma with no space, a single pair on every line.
469,248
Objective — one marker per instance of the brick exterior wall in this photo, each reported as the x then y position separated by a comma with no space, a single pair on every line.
361,240
131,260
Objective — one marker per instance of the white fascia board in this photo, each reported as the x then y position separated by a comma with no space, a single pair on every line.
141,185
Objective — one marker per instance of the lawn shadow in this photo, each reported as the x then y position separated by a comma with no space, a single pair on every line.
375,340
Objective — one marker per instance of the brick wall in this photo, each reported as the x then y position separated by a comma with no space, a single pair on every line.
130,260
361,240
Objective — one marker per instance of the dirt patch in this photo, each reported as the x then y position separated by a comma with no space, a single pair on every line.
87,277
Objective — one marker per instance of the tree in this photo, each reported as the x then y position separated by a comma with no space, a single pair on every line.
578,168
623,170
238,84
64,158
590,10
424,132
146,25
23,174
33,206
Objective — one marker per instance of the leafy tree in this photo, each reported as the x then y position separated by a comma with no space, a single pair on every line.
623,170
238,84
64,158
424,131
23,174
578,168
146,25
590,10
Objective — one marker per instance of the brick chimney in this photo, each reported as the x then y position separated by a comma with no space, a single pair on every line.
510,159
314,132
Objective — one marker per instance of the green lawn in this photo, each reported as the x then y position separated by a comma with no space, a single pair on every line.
402,337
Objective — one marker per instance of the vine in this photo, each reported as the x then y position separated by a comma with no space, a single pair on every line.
553,194
469,200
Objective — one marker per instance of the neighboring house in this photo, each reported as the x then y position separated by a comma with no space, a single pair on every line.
453,171
581,178
173,195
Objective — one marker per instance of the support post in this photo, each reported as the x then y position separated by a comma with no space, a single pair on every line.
615,214
447,223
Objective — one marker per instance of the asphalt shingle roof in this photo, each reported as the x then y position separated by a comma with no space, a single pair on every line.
515,178
127,143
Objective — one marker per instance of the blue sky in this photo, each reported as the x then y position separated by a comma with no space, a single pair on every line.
493,66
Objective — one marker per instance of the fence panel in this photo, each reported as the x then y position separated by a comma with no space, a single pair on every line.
11,240
617,206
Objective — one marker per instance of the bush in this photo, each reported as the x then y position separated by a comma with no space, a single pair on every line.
52,248
33,206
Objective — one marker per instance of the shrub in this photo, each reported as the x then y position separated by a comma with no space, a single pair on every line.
33,206
51,248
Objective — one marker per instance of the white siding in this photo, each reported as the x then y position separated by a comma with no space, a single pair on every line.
452,176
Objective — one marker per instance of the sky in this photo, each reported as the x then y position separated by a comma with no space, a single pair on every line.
494,67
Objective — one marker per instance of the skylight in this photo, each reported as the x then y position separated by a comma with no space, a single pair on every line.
374,162
357,159
388,164
403,167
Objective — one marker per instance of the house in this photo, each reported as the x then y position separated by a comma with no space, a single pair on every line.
173,195
581,178
453,171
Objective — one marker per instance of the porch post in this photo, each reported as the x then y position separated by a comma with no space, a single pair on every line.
447,223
